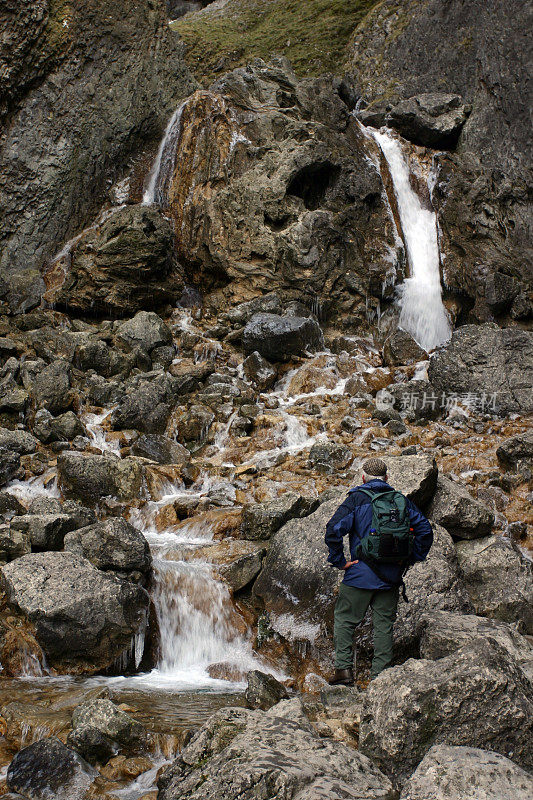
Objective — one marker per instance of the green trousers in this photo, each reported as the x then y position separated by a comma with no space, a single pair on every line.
351,607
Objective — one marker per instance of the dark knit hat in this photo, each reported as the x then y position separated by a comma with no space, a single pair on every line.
375,466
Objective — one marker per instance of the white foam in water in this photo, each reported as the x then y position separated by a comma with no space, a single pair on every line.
93,423
165,160
422,312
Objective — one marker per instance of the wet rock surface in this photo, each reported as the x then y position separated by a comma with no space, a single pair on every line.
48,768
263,691
463,773
82,617
277,338
478,696
486,359
99,729
498,578
248,753
91,477
112,546
457,511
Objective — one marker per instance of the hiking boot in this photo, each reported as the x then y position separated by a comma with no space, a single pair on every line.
342,677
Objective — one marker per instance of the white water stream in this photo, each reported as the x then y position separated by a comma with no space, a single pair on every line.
422,312
165,161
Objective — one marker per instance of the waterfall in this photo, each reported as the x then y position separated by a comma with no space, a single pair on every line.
198,624
165,161
422,312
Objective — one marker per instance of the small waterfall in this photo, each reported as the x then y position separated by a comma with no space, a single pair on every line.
198,624
165,161
422,312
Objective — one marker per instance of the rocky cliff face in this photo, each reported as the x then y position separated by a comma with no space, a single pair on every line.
479,50
89,83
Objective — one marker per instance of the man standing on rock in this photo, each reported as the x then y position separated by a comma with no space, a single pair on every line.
387,534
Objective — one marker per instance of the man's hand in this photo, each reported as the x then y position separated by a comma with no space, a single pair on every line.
349,564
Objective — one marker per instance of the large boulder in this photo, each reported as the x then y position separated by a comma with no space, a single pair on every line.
278,338
113,546
435,584
50,387
83,618
478,697
455,509
104,109
48,769
18,441
413,475
146,406
92,477
444,632
244,754
262,520
160,448
145,330
467,773
271,200
117,267
296,585
401,348
432,119
498,579
517,451
489,366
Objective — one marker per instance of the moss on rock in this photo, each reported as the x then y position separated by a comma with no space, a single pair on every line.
313,34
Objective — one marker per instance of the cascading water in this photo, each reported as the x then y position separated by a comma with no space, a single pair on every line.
422,312
197,622
165,161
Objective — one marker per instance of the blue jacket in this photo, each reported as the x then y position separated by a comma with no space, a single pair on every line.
354,517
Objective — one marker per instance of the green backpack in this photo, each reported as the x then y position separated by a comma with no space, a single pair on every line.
391,538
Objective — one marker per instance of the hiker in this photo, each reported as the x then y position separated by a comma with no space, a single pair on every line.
387,534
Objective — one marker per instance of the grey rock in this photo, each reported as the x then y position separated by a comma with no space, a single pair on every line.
9,465
246,564
477,697
48,769
83,618
401,348
99,356
467,773
194,426
486,360
290,211
498,579
92,477
145,330
18,441
46,531
432,119
249,754
417,399
263,690
455,509
51,387
146,407
105,110
117,267
13,544
118,730
10,506
277,338
444,632
266,304
259,370
500,291
327,456
516,451
13,399
296,586
63,428
112,545
160,448
262,520
413,475
435,584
